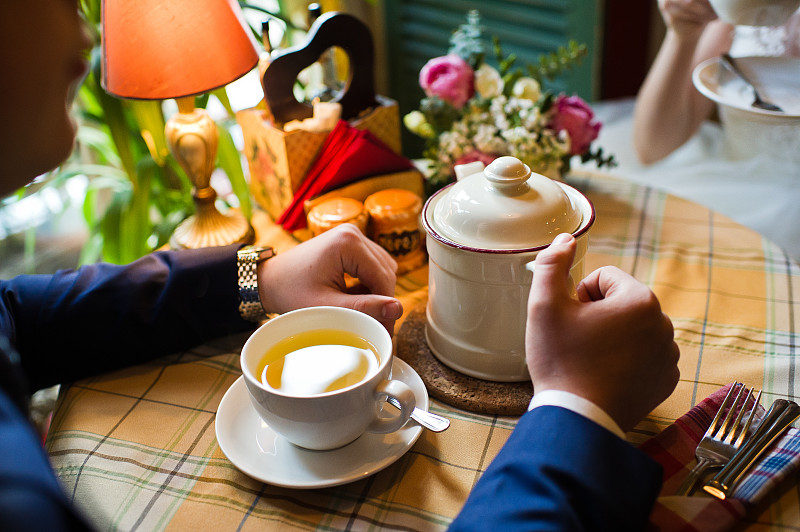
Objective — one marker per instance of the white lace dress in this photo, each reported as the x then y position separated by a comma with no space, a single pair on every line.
768,40
761,191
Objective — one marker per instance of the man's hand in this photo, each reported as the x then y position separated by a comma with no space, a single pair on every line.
612,345
312,274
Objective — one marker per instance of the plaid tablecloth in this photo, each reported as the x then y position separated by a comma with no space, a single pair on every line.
136,449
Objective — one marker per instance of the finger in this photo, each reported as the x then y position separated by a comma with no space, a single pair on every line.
601,282
381,254
385,309
551,278
589,288
372,266
376,250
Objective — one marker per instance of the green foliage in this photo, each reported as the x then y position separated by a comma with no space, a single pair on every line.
465,41
555,63
510,113
137,193
439,113
549,66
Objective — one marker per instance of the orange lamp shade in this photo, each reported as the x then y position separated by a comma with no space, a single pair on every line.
160,49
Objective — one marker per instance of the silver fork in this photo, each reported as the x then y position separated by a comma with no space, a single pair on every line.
722,438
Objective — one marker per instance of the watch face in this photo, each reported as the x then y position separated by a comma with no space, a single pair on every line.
256,253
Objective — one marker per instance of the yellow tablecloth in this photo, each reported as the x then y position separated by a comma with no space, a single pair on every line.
137,450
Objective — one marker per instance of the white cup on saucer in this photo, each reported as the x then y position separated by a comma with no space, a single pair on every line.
755,12
314,418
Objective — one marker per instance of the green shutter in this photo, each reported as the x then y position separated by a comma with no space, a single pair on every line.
418,30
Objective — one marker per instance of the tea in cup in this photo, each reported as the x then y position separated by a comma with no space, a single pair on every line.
319,377
755,12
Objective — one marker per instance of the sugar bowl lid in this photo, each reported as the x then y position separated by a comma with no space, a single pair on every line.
504,207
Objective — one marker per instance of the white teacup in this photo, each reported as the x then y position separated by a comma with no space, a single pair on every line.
328,419
755,12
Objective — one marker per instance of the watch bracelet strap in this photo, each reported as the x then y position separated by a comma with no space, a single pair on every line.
248,258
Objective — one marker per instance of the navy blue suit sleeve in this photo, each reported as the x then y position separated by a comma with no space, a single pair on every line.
560,471
101,317
30,496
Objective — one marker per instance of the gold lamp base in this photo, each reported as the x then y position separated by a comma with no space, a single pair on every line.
192,138
208,227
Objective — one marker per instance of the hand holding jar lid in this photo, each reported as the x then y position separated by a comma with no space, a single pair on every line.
394,224
482,233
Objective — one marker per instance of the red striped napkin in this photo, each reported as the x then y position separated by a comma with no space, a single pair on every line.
674,449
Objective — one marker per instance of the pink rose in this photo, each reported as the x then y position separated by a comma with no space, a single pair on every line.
476,155
573,115
450,78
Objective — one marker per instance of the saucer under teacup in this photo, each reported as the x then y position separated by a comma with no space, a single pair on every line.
257,451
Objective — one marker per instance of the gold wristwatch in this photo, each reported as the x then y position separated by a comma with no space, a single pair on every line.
247,260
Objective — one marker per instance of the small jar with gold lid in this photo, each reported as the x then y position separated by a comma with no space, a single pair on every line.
394,224
336,211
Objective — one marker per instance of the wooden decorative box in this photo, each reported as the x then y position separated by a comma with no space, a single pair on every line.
279,160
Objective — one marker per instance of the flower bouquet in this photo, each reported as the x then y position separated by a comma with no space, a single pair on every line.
475,112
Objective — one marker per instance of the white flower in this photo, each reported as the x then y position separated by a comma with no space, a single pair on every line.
516,135
531,118
451,146
488,82
488,140
493,123
527,89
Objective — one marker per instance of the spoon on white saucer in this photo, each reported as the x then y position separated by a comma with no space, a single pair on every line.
429,420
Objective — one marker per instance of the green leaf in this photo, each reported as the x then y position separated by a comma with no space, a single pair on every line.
106,222
92,250
556,63
29,250
95,171
150,118
466,42
164,229
89,211
230,160
201,100
91,10
110,226
222,96
111,182
115,118
137,221
88,103
98,140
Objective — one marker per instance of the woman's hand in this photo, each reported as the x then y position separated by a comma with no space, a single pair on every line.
313,274
686,17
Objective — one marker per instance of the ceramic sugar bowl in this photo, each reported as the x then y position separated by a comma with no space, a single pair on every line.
481,233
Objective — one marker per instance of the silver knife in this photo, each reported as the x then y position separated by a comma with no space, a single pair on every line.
781,415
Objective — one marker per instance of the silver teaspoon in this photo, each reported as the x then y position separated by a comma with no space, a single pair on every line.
728,61
429,420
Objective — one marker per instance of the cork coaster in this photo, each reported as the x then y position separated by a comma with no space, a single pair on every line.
452,387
